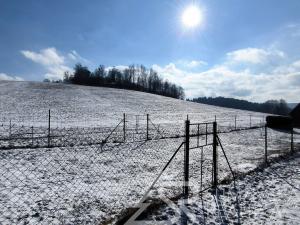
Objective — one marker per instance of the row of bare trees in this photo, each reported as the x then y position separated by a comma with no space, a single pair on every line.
279,107
132,77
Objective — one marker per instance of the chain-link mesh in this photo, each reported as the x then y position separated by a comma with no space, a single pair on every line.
240,152
89,174
79,184
49,130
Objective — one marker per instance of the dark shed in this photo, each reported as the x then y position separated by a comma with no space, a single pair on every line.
279,122
295,114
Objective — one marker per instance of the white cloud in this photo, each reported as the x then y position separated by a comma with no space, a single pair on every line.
253,55
4,76
170,72
54,63
47,57
226,80
191,64
296,64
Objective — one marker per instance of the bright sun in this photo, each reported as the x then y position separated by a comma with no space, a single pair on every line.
192,16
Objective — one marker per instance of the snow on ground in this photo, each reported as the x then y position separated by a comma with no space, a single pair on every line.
265,196
73,105
90,184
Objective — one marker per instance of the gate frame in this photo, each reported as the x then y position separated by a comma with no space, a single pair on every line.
187,151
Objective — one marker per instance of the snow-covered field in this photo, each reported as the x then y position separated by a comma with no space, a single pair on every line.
29,102
90,184
267,196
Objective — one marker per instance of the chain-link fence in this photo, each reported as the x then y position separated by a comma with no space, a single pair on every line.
50,131
238,153
89,175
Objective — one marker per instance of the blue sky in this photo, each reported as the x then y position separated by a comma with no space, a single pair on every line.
246,49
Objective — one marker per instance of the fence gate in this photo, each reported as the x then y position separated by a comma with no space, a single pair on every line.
200,161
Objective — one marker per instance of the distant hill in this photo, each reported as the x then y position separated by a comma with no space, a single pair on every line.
272,106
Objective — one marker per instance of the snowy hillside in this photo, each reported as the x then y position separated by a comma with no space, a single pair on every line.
93,183
26,101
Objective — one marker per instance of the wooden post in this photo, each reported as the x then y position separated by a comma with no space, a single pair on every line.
215,157
266,145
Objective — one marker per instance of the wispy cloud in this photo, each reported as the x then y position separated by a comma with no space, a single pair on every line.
46,57
192,64
4,76
73,55
54,62
254,55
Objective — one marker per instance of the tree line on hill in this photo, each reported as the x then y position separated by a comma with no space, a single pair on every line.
272,106
133,77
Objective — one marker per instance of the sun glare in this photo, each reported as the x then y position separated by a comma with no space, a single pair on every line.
192,16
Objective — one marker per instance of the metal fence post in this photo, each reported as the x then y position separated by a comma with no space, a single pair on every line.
186,172
186,159
266,144
206,134
10,132
235,122
147,127
292,139
49,127
32,136
136,123
250,121
215,156
198,134
124,127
